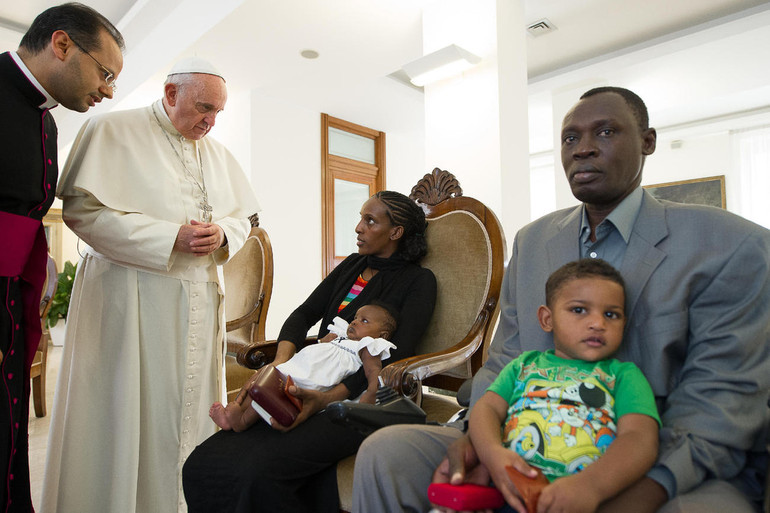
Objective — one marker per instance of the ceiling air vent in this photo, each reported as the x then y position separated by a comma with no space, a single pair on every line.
540,27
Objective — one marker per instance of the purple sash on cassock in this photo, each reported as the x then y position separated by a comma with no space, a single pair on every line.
24,253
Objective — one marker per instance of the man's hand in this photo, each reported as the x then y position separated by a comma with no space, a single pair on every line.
460,466
198,238
497,460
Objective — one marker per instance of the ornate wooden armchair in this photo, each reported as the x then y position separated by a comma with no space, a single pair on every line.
39,364
466,252
248,288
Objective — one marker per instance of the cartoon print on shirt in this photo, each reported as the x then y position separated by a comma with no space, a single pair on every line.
561,424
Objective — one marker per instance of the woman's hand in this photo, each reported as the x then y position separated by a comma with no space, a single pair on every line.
313,401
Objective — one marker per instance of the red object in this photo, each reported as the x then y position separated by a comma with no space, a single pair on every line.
529,487
465,496
268,390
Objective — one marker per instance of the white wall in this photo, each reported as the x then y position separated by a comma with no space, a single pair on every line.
285,174
233,128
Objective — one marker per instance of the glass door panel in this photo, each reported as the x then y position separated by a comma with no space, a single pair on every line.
348,199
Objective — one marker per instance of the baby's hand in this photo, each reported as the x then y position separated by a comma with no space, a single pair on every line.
328,337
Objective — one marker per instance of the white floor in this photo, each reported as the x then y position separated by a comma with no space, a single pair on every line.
38,427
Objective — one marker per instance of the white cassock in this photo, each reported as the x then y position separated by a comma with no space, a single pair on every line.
142,358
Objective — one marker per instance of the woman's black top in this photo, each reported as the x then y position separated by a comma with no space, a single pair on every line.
407,287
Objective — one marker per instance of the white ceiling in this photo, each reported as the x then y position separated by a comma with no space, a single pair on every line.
257,43
585,29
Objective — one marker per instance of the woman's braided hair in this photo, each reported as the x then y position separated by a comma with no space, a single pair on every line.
402,211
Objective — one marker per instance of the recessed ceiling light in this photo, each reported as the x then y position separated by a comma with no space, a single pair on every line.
309,54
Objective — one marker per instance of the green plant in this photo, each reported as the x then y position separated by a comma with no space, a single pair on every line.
60,303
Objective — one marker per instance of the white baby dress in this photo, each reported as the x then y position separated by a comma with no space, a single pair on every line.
324,365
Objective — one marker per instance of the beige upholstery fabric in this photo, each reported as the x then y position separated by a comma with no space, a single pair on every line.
244,276
469,270
345,482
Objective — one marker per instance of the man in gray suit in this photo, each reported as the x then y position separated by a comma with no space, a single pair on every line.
698,304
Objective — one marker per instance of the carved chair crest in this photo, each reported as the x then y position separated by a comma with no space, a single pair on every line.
435,187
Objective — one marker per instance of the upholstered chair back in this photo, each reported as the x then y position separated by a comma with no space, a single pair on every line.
248,287
460,256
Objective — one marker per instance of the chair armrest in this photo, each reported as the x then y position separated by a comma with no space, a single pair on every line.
256,356
406,376
259,354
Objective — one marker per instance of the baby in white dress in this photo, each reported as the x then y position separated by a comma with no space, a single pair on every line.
322,366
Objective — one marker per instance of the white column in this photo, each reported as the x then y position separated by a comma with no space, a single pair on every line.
476,123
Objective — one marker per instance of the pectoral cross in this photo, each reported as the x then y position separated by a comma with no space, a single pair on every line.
206,210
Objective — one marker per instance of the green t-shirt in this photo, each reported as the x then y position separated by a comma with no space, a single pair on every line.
562,413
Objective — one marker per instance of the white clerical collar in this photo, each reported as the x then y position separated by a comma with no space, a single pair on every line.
49,102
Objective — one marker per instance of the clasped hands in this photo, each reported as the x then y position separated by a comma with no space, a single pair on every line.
198,238
462,465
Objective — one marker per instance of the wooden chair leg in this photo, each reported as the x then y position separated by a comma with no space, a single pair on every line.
38,394
38,382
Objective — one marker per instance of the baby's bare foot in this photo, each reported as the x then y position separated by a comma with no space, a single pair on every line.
217,414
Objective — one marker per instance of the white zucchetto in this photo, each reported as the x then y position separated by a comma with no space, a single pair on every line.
195,65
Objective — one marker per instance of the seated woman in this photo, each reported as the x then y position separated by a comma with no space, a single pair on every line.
293,469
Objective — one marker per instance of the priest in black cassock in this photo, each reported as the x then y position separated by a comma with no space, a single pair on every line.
71,55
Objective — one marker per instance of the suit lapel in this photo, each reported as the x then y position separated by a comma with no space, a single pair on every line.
642,255
564,245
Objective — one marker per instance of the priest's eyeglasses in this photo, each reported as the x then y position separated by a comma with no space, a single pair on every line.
109,76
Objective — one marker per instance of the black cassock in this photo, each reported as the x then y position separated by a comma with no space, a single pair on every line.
28,173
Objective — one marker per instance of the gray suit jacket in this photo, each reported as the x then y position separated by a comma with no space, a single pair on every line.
698,309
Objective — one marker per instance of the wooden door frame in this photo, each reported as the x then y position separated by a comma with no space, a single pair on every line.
333,166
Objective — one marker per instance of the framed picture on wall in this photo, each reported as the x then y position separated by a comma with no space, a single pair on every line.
699,191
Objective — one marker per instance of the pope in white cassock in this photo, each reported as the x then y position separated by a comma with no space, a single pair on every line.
161,208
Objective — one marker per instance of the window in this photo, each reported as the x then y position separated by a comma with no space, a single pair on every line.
352,169
752,153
